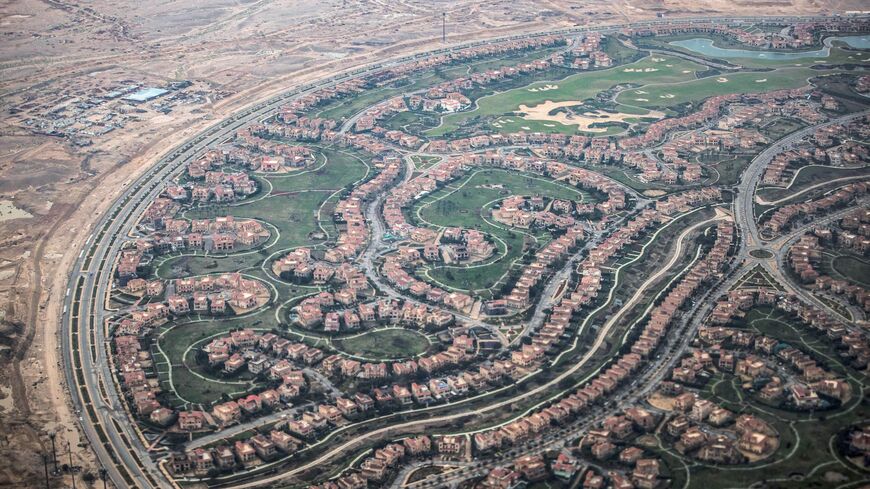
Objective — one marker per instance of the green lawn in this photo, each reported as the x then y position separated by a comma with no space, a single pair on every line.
468,206
291,204
671,94
181,336
341,168
511,124
728,168
781,127
193,265
758,276
581,86
346,107
423,162
410,122
811,175
384,344
853,269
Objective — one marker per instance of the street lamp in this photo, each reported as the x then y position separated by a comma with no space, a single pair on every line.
71,468
53,435
45,466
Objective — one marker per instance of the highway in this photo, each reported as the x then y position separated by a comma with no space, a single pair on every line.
84,338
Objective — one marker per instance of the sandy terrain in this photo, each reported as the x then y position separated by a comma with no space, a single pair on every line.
58,53
583,121
659,401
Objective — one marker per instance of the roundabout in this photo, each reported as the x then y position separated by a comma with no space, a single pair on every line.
761,254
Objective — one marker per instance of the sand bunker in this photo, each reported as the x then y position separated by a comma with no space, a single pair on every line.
667,95
545,88
722,79
639,70
687,71
640,92
584,121
657,60
642,99
761,80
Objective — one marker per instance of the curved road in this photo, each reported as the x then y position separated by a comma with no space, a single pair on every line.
104,420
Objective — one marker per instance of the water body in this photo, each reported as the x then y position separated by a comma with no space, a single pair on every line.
705,46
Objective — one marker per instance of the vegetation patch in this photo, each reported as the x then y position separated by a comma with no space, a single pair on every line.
763,254
384,344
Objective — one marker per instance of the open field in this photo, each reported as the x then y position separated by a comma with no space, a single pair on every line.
804,458
289,202
811,176
673,94
384,344
846,266
235,54
468,202
578,87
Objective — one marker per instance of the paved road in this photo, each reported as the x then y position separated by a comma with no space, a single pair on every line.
745,200
678,338
645,381
377,247
242,427
93,270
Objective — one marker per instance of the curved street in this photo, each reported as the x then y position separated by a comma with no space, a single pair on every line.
84,334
